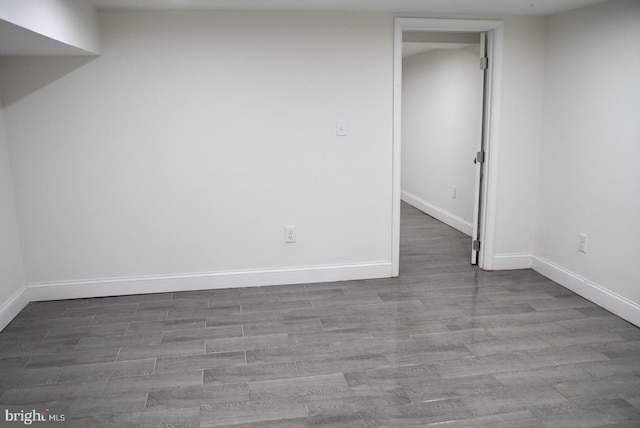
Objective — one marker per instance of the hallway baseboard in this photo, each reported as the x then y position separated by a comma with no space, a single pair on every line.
438,213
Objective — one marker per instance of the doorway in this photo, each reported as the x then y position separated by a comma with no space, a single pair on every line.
481,244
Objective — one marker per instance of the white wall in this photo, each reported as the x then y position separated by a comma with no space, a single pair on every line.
71,22
196,137
516,160
11,268
589,174
176,158
441,95
185,149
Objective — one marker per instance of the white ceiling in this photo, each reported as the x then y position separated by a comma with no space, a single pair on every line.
15,40
475,7
413,49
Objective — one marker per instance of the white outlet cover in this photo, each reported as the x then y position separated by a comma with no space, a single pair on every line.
582,242
289,234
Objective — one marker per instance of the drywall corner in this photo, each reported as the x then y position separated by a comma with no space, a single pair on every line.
70,22
12,307
13,296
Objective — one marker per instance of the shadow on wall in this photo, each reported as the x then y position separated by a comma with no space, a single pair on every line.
38,72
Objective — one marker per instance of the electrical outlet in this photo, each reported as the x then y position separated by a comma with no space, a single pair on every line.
582,242
289,234
454,192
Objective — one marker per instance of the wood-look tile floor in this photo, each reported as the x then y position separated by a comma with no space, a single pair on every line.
444,342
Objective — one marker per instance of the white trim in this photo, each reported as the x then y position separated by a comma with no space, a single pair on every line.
619,305
13,306
492,145
495,30
438,213
512,261
396,177
205,281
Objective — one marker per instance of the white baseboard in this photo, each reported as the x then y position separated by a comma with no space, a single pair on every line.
444,216
511,262
205,281
596,293
13,306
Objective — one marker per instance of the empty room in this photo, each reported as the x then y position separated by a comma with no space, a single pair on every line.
336,213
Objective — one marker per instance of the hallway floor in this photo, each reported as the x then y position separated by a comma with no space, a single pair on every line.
444,342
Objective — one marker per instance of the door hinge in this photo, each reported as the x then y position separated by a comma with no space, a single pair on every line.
475,245
484,63
479,158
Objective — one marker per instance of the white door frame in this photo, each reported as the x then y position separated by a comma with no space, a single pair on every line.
494,29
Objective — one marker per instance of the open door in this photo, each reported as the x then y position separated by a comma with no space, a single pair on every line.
479,159
485,184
